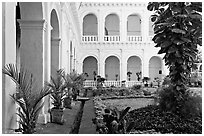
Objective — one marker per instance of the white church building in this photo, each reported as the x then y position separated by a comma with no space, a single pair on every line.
96,38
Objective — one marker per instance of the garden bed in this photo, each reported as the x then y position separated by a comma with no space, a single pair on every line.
152,118
147,117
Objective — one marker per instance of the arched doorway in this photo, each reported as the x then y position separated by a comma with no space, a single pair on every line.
134,66
54,43
112,68
155,68
90,68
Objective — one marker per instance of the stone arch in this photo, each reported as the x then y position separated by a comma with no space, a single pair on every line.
155,67
112,68
54,42
112,24
134,25
90,67
90,24
134,65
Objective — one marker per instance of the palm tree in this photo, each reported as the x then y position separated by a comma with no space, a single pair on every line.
27,97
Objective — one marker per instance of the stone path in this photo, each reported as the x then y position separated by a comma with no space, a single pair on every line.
52,128
87,127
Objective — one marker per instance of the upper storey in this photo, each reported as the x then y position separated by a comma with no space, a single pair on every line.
115,22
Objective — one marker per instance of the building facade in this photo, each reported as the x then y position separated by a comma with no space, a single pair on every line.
106,39
116,38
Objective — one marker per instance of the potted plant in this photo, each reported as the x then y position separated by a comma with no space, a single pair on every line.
129,74
158,81
29,100
57,88
146,79
116,77
138,74
94,73
100,81
76,83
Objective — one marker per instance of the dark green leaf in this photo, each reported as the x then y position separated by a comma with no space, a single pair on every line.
172,49
176,30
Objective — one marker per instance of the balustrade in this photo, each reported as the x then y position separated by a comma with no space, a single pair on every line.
91,83
111,38
131,83
89,38
134,38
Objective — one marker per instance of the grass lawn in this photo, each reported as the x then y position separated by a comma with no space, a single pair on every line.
133,103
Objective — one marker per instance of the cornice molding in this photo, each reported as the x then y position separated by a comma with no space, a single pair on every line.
112,4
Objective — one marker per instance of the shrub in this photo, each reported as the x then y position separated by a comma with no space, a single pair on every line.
166,81
187,106
152,117
136,87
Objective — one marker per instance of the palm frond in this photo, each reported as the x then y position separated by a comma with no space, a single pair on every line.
30,99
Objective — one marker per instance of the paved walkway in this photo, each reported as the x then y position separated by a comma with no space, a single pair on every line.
52,128
87,127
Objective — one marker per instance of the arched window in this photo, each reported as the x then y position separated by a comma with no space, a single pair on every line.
90,25
134,25
112,26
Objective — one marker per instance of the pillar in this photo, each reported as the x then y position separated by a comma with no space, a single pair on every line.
32,49
55,55
9,117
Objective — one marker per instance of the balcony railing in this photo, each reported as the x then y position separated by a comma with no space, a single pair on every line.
112,83
89,38
131,83
134,38
91,83
111,38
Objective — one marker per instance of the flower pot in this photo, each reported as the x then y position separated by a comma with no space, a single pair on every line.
67,102
57,116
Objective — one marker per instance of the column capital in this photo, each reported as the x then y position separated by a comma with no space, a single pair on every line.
33,24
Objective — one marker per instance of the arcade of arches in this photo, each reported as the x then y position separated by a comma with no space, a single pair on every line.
102,39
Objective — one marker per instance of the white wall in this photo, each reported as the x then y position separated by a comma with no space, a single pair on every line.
9,56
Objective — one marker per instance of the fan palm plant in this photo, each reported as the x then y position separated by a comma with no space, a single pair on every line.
27,97
76,83
57,88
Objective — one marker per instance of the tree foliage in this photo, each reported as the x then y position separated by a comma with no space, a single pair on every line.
178,30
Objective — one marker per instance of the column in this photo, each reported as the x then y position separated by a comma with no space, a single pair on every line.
32,49
101,25
124,71
80,67
98,63
102,69
55,55
144,27
8,56
145,69
123,31
47,70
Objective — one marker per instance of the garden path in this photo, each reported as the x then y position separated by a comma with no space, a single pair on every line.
87,127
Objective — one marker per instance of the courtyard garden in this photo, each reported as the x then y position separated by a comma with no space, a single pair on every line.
172,107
